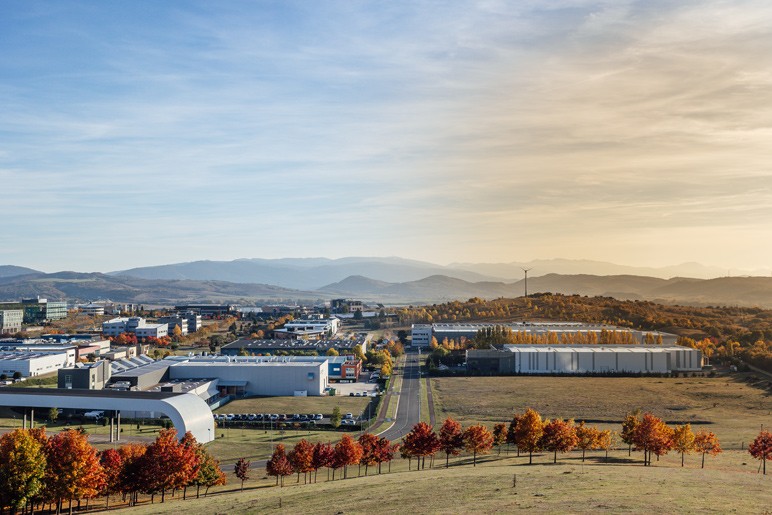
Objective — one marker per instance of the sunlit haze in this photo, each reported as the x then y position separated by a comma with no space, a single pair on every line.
145,132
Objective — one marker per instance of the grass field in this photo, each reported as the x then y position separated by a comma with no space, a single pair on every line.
323,405
727,405
568,487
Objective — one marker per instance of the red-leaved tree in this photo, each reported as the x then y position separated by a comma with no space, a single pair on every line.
761,448
451,439
559,437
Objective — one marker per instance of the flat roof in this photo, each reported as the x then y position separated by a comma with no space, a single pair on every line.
593,348
66,392
247,363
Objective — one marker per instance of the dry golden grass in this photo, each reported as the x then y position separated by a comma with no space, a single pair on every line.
726,405
568,487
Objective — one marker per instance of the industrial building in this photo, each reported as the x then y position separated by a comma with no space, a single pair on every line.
315,327
11,320
85,376
37,310
209,310
31,364
137,325
250,347
584,359
422,333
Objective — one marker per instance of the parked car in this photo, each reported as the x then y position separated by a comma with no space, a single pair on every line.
349,416
318,416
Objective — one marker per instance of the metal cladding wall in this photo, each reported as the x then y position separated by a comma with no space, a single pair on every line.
581,359
274,379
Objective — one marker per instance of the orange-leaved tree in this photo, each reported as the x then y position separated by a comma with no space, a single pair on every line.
528,432
279,465
706,442
22,468
652,436
301,457
451,439
559,436
683,440
586,437
347,452
73,469
605,440
761,448
477,439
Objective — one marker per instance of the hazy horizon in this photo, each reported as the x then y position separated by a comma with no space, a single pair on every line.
146,133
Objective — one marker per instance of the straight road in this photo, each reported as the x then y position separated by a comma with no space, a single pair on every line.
408,410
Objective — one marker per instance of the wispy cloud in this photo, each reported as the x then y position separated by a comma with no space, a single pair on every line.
443,131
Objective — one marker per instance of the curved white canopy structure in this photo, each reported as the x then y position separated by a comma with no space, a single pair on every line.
187,411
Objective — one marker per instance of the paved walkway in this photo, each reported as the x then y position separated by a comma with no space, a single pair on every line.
430,398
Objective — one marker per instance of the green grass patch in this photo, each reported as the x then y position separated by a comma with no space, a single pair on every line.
323,405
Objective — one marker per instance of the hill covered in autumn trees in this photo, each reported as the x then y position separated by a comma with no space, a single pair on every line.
730,331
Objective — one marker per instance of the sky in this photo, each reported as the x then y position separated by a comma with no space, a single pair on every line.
144,132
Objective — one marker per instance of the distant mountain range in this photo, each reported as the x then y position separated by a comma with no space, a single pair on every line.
313,273
388,280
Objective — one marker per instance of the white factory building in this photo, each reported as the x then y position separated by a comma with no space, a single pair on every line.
244,377
584,359
315,327
31,364
137,325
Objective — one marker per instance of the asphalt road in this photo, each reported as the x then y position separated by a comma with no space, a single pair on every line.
408,410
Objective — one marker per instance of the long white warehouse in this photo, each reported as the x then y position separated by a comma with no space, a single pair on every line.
584,359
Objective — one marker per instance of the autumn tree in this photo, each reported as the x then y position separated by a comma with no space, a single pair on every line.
528,433
761,448
73,471
168,464
241,470
209,472
279,465
347,452
512,432
499,435
605,441
706,442
586,437
631,422
559,436
385,452
477,439
683,440
451,439
131,478
112,465
323,456
301,457
369,444
421,442
22,468
652,436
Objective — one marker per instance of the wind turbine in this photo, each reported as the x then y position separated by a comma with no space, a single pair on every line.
525,270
